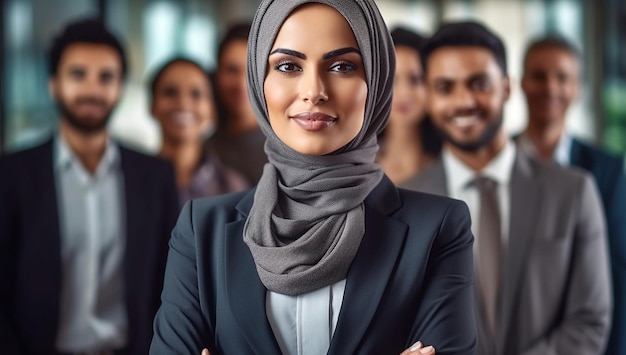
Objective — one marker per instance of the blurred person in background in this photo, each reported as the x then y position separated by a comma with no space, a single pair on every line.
182,103
551,82
409,142
238,142
542,278
84,221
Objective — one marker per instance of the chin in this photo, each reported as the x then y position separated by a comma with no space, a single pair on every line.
311,150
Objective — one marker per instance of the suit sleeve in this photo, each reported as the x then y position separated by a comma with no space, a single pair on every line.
615,210
8,252
588,300
179,327
446,317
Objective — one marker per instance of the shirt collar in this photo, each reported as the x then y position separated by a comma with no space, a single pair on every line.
561,153
64,157
500,168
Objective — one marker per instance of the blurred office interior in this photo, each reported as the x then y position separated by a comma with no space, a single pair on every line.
155,30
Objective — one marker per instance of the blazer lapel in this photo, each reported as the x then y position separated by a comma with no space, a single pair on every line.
246,293
371,268
526,190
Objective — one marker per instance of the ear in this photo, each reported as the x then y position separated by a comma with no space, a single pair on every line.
524,83
506,87
52,87
578,88
151,103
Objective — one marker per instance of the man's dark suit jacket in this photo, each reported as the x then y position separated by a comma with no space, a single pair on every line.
30,248
608,171
410,280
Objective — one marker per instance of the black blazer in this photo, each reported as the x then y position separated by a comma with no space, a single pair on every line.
30,248
410,280
608,171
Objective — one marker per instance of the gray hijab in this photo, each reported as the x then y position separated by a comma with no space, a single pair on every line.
308,218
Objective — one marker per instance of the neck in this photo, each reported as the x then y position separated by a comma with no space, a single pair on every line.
545,137
185,156
478,159
88,148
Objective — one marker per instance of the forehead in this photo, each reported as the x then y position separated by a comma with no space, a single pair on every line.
544,57
234,48
88,55
462,61
182,73
315,26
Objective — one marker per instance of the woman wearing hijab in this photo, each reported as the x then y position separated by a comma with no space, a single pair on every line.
326,255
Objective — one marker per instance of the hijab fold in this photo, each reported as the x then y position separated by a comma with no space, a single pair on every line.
308,217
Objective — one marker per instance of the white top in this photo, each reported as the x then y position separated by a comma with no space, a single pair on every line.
561,154
304,324
92,226
459,183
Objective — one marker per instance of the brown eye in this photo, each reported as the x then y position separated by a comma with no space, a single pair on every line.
287,67
343,67
196,94
170,91
107,77
416,80
77,74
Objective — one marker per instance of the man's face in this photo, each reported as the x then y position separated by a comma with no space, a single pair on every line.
550,83
87,85
467,92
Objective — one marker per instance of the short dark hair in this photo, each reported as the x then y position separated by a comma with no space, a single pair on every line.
553,41
90,30
466,34
159,72
402,36
236,32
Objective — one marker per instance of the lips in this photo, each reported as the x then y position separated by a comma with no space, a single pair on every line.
181,118
313,121
464,122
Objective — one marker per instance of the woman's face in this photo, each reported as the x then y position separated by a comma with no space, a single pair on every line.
182,102
409,91
315,86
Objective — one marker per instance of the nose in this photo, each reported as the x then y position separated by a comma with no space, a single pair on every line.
552,85
313,88
463,99
183,101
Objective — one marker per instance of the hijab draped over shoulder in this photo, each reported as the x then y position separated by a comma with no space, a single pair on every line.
308,218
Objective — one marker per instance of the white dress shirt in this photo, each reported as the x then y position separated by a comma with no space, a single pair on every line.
304,324
561,154
92,223
459,183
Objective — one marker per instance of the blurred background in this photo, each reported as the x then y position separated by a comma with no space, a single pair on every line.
155,30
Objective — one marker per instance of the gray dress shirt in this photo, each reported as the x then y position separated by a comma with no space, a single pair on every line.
91,214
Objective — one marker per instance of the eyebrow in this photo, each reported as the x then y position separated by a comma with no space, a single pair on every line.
325,56
477,76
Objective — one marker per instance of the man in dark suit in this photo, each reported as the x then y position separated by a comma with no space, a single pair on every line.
84,222
551,81
542,283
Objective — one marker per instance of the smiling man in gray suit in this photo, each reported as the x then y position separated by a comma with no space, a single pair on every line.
541,265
